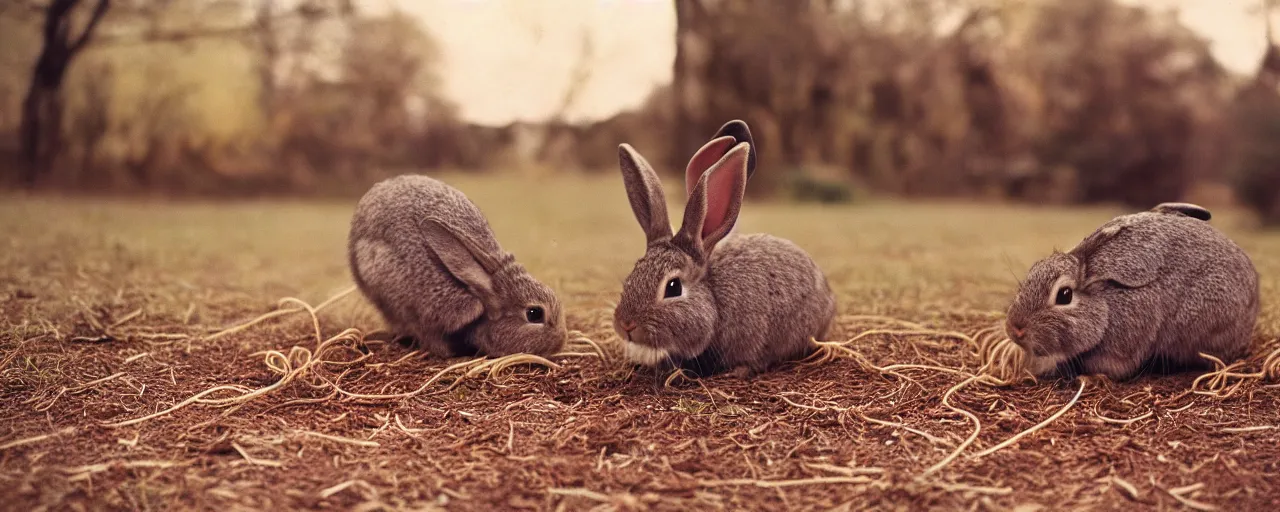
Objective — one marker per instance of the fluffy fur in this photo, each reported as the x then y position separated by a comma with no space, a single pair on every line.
1150,288
426,257
747,301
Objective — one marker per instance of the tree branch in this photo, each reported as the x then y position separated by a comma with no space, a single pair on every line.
578,78
194,33
98,13
55,18
156,36
1266,18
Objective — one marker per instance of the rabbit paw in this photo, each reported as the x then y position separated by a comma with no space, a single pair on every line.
1041,366
743,372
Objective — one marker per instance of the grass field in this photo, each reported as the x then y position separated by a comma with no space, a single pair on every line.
108,307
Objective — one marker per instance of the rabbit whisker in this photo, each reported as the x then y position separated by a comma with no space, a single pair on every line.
1008,265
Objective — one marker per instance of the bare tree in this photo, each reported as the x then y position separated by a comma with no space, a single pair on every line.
579,77
42,108
265,35
1269,70
559,143
1256,126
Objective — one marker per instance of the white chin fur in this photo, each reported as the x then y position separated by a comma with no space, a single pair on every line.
1040,366
647,356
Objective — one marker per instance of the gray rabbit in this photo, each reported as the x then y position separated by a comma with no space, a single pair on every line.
702,299
1150,288
426,257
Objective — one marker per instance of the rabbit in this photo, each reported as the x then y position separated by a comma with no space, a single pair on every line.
425,256
1149,288
707,301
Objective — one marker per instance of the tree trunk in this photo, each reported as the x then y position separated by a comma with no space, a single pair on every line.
688,84
41,125
269,46
37,110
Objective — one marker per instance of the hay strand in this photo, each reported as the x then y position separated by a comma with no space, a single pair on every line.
1128,488
1223,381
1001,358
773,484
911,332
35,439
1033,429
581,493
1271,365
930,437
1188,502
88,385
339,439
977,426
305,364
280,312
1257,428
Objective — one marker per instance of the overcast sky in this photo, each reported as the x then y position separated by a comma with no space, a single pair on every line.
511,60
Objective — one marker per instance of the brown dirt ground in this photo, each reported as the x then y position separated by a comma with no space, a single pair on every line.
591,433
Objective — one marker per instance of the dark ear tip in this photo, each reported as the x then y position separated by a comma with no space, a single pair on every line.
737,129
1194,211
740,132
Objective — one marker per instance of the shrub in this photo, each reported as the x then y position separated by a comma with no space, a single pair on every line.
803,185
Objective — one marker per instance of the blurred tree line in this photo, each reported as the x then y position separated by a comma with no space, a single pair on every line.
219,95
1057,100
1066,101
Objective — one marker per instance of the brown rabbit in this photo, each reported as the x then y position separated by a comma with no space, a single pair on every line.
709,305
1155,287
425,256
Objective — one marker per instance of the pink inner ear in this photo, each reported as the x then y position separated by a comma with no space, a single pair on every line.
723,190
708,155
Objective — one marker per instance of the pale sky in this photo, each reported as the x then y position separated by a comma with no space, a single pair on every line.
511,60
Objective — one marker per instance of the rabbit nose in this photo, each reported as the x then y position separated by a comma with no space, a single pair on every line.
1016,331
628,325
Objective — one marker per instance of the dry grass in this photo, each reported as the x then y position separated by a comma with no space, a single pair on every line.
133,378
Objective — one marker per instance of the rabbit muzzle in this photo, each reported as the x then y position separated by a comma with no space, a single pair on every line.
1022,338
630,331
1015,332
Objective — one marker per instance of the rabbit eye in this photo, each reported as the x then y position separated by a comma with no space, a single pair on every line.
1064,296
674,288
535,315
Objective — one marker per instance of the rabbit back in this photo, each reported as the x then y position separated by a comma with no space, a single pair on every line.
771,298
1188,289
1214,296
393,265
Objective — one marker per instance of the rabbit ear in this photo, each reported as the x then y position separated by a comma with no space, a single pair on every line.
716,200
729,135
1194,211
1128,257
738,129
703,159
644,190
464,258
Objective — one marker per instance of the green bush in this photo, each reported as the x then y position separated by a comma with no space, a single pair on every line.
808,187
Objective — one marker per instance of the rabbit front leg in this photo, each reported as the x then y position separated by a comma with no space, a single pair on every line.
743,372
1040,366
433,342
1116,366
